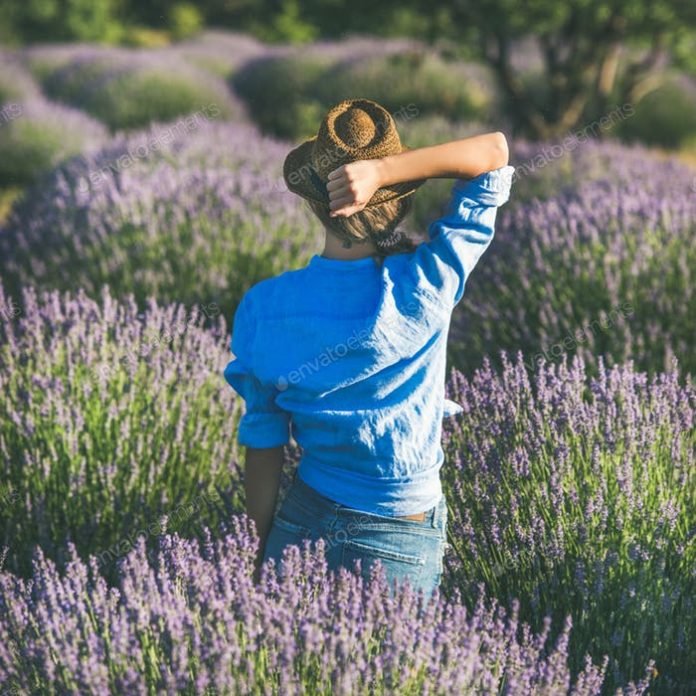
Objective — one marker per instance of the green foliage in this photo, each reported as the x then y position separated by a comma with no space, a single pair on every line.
144,37
35,137
285,25
77,20
128,94
412,84
15,84
27,149
665,117
132,100
184,20
118,430
416,78
278,93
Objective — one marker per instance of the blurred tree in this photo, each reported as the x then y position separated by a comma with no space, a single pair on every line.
684,50
284,20
595,53
184,20
60,20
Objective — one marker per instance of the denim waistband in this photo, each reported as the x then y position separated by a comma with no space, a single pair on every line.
313,495
320,504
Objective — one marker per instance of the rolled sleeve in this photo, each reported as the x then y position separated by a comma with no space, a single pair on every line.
458,239
264,423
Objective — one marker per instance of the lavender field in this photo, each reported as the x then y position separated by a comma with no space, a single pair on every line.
141,194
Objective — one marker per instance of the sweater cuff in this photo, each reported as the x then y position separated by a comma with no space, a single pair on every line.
488,189
262,430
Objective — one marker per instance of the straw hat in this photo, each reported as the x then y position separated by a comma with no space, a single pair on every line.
354,129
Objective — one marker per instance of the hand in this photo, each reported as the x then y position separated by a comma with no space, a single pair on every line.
352,185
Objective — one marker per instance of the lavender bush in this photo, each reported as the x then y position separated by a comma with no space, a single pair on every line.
37,135
43,59
605,267
399,75
574,495
286,79
111,420
219,52
417,130
419,77
130,89
193,211
16,84
577,496
192,622
545,169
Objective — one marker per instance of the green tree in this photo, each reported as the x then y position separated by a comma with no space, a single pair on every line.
60,20
595,53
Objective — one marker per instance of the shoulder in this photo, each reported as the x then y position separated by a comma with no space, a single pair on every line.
270,294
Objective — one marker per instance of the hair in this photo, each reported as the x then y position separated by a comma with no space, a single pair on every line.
376,223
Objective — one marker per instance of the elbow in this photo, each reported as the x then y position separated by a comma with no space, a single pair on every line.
501,153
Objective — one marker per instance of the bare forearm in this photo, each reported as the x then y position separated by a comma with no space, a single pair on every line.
261,482
465,159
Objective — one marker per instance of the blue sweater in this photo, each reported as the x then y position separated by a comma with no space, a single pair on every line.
349,357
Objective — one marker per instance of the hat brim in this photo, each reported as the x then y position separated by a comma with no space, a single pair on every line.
301,178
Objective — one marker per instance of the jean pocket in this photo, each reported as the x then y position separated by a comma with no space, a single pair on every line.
385,523
291,527
284,533
398,566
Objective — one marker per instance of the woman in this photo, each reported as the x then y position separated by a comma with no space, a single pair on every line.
349,352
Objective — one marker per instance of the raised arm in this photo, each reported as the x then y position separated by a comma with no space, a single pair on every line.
459,159
352,185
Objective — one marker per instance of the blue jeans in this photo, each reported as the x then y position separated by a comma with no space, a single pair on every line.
409,550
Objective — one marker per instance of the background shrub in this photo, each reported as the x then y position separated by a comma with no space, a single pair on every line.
277,90
604,267
43,59
665,117
16,83
128,90
190,212
417,78
399,75
218,52
37,135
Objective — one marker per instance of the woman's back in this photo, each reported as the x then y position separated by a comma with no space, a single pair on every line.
349,356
